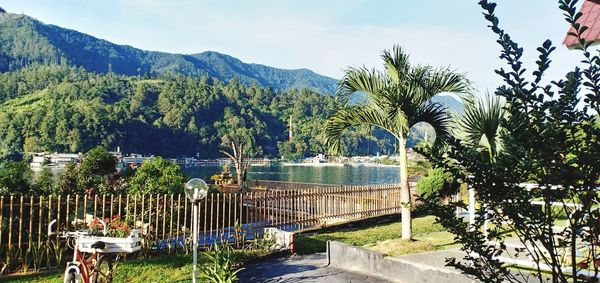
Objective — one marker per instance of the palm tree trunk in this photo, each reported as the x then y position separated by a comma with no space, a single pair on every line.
404,191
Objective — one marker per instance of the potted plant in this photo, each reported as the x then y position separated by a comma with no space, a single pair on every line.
116,235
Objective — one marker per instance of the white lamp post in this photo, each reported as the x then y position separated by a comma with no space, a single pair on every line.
195,190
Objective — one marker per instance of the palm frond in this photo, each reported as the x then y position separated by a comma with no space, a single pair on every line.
396,63
426,82
398,98
354,116
417,90
436,115
443,80
406,100
481,123
361,79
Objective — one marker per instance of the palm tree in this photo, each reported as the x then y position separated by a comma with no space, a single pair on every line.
480,125
397,99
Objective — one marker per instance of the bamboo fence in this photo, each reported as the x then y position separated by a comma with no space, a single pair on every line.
166,219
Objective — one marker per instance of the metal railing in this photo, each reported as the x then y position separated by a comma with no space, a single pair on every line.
165,219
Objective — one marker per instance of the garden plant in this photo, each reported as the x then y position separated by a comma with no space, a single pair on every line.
550,137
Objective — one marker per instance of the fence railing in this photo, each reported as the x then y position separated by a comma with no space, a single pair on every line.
167,218
284,185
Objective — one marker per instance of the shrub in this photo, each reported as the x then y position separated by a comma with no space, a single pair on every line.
157,176
96,168
15,178
220,268
436,183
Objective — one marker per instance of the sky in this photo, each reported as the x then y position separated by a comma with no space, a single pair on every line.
326,36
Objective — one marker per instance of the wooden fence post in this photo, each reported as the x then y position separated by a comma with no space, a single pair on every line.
10,220
21,221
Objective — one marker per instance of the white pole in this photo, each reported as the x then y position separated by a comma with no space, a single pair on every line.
195,235
485,221
471,206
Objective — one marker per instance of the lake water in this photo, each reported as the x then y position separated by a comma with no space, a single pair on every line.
347,175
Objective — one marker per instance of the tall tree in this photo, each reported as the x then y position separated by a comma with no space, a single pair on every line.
398,99
238,139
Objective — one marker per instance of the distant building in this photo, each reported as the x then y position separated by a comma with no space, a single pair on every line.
135,159
117,153
590,10
37,162
40,160
64,158
320,158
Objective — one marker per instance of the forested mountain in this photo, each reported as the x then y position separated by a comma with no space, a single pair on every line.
25,40
64,91
67,109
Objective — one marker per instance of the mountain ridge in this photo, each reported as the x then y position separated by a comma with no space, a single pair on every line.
25,40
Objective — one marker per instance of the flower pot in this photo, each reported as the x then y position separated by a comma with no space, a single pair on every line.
130,244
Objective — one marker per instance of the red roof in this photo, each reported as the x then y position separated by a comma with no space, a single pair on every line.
590,17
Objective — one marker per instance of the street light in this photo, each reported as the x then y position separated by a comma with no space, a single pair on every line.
195,190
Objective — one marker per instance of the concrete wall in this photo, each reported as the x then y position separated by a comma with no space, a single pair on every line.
396,269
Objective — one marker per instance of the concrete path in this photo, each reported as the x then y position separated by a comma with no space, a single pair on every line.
314,268
309,268
436,258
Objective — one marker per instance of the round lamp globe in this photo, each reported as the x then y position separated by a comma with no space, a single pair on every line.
196,189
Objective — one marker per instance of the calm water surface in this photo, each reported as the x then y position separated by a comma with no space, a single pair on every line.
348,175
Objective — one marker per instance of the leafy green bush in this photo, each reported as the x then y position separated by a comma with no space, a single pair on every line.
67,182
15,178
157,176
97,165
45,182
436,183
389,161
418,167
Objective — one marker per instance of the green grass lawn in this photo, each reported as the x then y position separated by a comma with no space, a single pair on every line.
175,268
178,268
169,268
384,238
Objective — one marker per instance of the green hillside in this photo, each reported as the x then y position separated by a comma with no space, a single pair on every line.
66,109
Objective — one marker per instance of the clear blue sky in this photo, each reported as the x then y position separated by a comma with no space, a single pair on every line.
323,35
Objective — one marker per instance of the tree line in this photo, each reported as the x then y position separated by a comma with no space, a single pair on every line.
97,173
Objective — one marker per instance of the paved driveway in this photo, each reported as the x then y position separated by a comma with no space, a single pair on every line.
309,268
